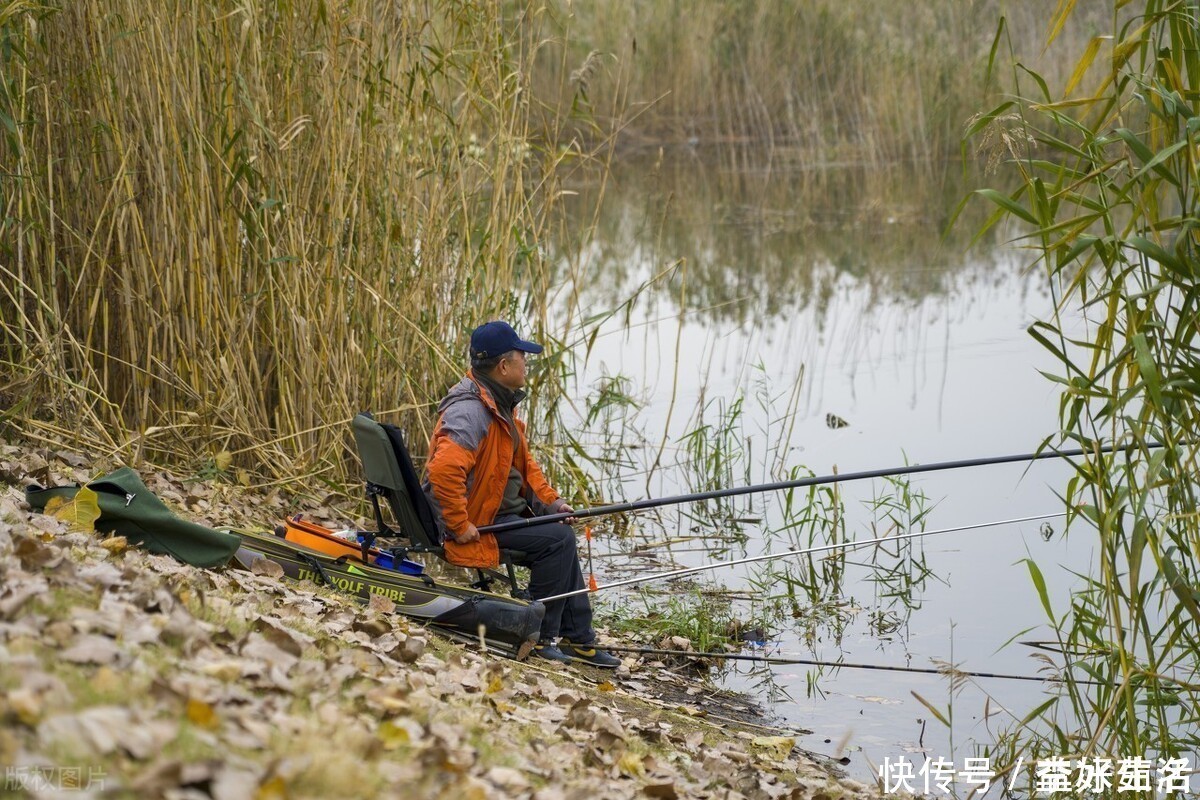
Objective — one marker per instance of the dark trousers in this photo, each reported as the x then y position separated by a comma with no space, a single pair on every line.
554,569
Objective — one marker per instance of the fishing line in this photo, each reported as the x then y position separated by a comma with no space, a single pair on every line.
805,551
948,671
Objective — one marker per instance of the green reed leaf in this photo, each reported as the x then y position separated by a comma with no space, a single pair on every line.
1039,583
1147,368
1156,252
1009,204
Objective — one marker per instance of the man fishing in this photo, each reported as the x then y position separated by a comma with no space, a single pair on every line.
480,472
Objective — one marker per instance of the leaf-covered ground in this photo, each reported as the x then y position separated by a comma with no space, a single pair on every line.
128,674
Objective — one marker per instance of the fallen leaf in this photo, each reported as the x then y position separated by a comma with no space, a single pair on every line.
272,789
223,670
115,545
267,567
82,512
26,705
373,627
508,779
390,700
501,706
34,553
92,649
777,747
283,637
17,596
74,459
202,714
394,733
381,604
103,729
662,791
631,764
232,781
106,680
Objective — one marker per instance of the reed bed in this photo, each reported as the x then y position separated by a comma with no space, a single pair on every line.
229,226
837,81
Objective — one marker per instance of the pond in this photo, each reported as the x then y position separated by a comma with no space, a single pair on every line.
781,320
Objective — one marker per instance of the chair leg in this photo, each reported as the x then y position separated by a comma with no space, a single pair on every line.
484,584
514,589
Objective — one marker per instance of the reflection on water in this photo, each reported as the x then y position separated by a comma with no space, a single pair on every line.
765,242
818,322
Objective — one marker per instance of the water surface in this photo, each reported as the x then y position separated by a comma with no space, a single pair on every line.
807,293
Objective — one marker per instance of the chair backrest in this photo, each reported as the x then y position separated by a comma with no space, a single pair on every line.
388,468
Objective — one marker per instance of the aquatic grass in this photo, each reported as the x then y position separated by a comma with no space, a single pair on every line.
705,618
1109,208
898,573
599,452
716,455
809,592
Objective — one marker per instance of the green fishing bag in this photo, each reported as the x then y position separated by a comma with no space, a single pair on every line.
129,509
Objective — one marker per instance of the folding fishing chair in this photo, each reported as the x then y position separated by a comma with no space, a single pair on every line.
390,474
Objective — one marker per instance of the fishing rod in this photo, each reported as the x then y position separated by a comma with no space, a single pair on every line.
638,505
659,576
952,671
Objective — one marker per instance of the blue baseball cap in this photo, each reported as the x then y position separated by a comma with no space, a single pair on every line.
495,338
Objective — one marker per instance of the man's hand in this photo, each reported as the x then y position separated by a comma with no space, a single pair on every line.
561,506
471,534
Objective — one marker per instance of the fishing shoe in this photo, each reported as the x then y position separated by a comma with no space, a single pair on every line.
548,650
588,654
